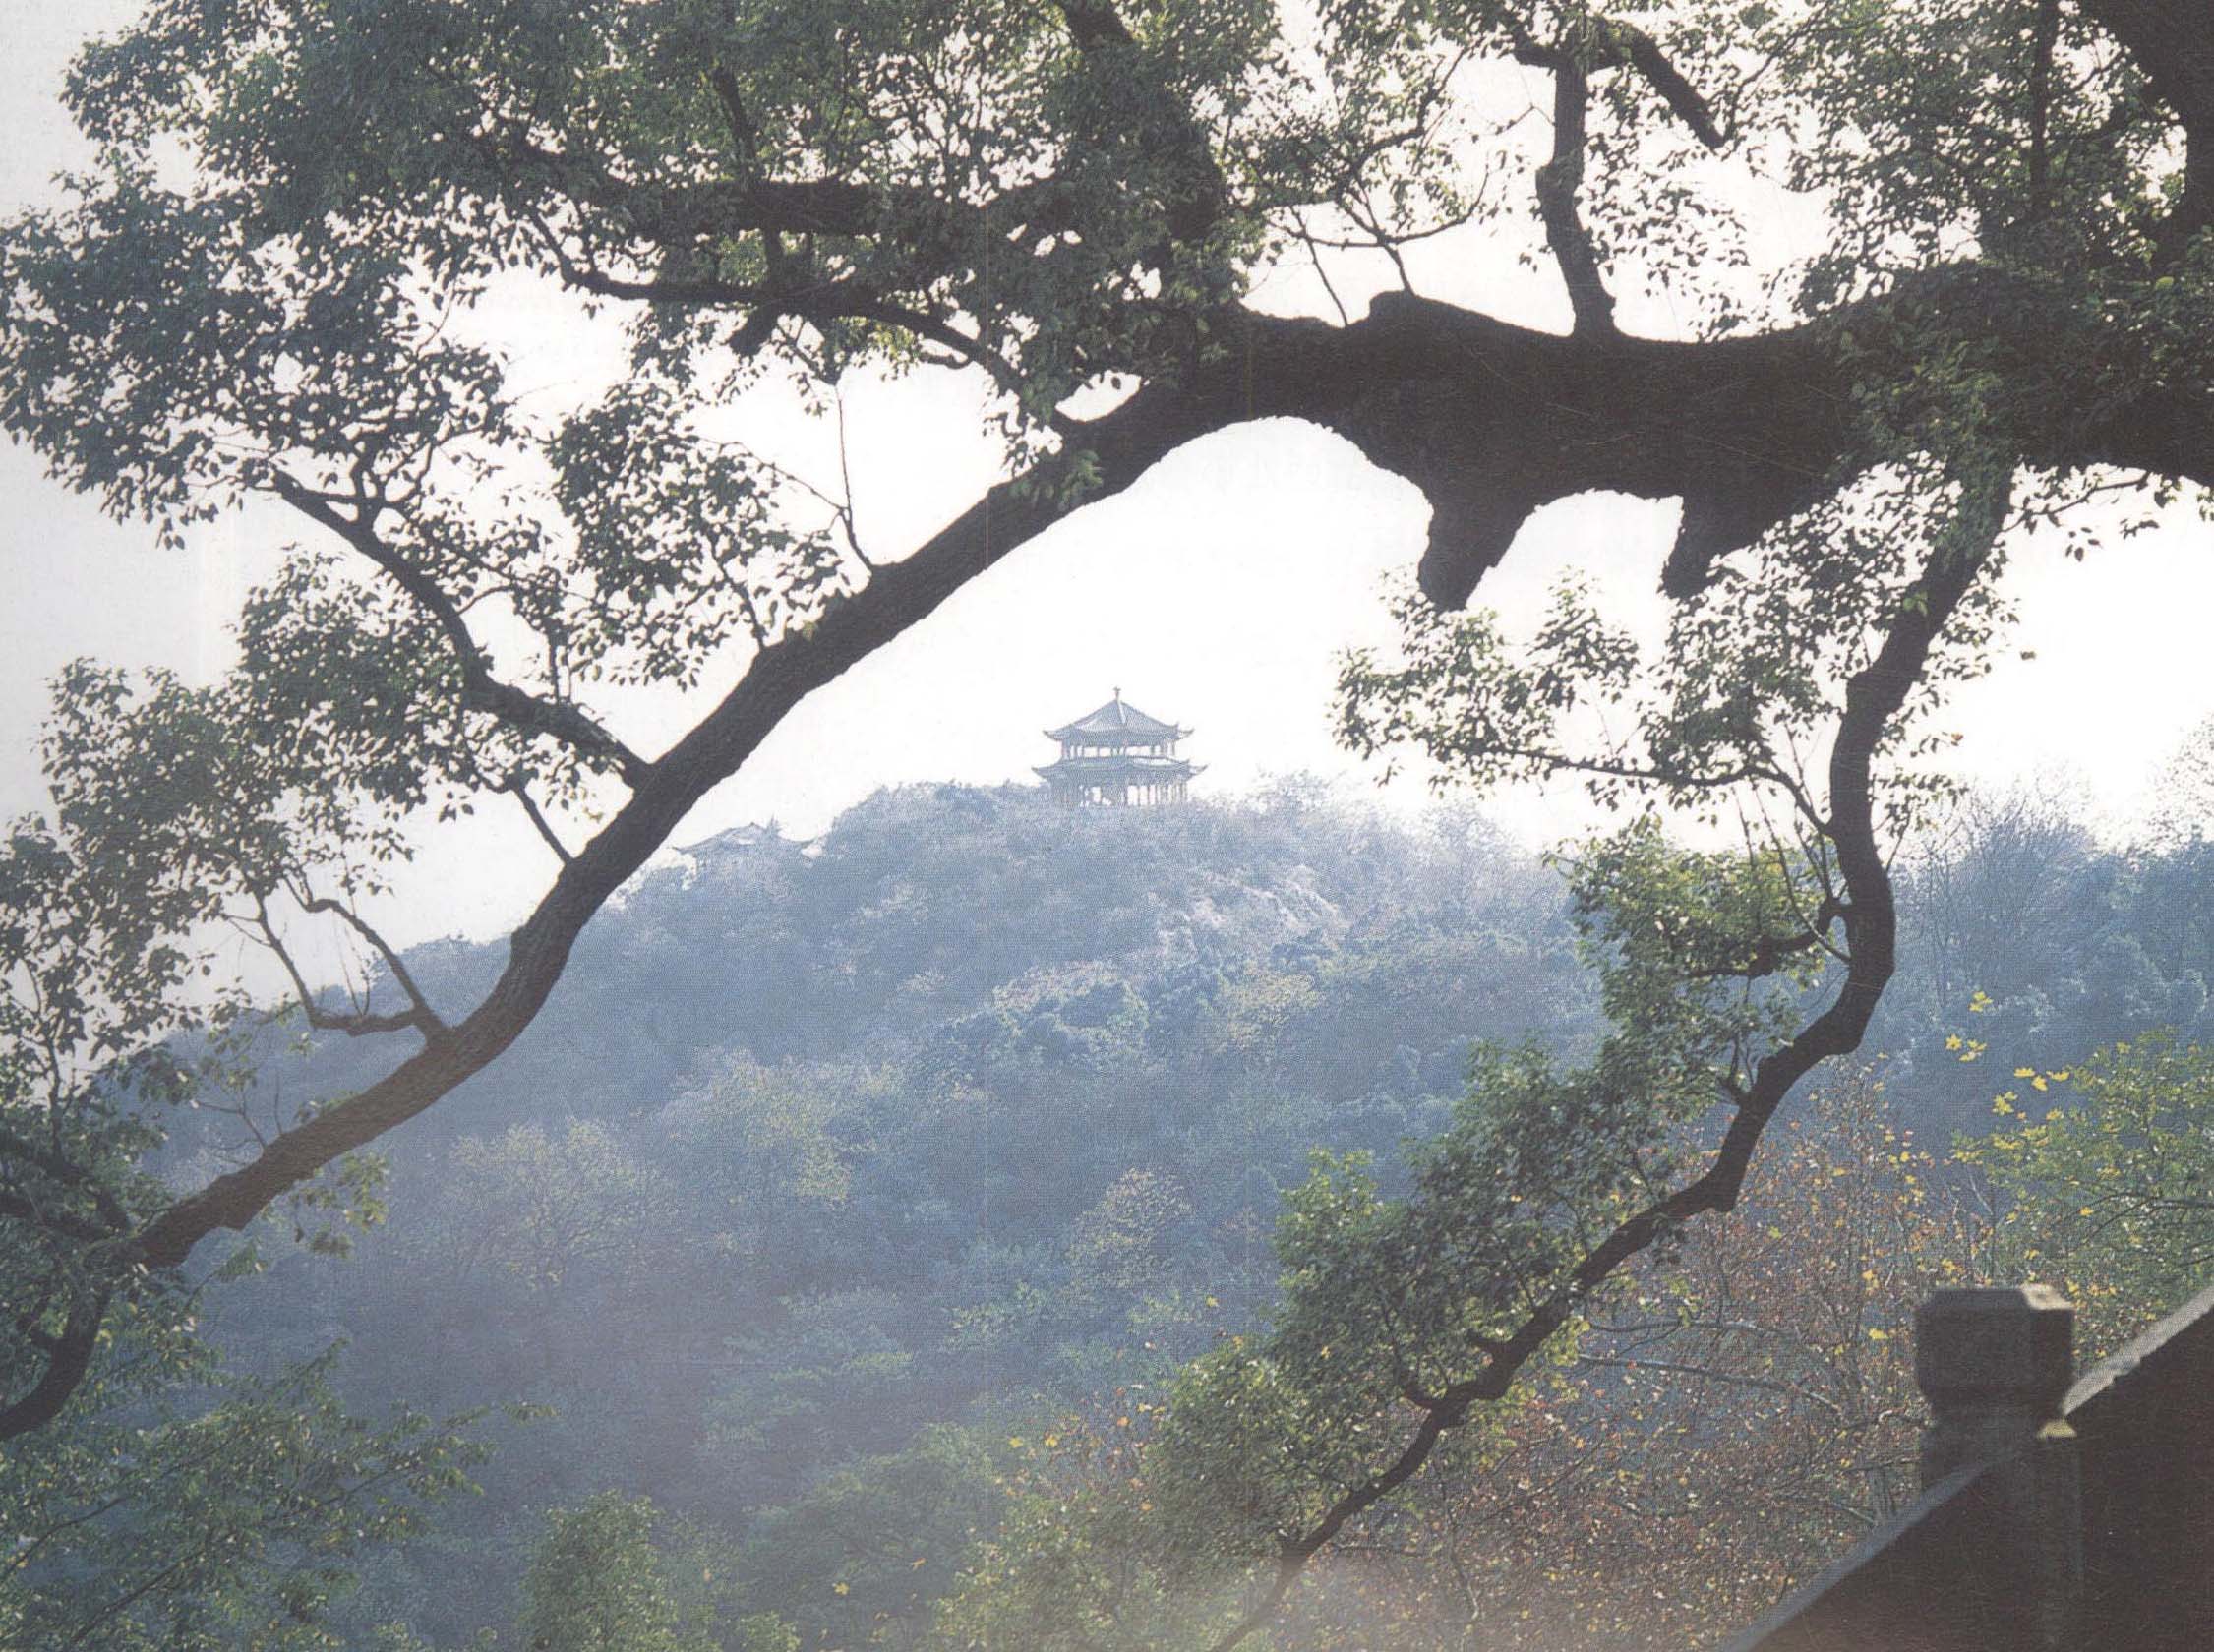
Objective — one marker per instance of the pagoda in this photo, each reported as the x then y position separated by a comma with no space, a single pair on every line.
1117,755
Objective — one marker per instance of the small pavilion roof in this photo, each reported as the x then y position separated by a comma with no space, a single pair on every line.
1117,723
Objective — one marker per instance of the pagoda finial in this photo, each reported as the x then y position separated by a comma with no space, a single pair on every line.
1119,696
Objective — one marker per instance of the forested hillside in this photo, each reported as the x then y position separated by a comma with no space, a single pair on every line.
1256,1227
840,1171
972,1107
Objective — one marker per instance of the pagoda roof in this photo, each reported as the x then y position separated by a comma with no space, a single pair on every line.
1117,722
1127,765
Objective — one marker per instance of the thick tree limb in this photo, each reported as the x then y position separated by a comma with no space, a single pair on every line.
1559,182
2173,42
1124,445
67,1362
1606,45
1492,421
1681,96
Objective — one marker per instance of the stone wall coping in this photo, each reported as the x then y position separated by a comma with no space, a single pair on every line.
2168,1339
1847,1603
1904,1532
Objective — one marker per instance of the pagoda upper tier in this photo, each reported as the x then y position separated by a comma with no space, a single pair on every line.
1117,726
1118,755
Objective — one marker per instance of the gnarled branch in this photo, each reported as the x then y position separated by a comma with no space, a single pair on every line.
1873,697
1492,421
2173,42
423,1016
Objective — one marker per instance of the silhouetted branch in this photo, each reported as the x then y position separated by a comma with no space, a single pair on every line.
1873,697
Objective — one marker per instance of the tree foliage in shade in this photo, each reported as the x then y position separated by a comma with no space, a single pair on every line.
859,1558
1744,1407
186,1510
263,292
599,1582
1744,1411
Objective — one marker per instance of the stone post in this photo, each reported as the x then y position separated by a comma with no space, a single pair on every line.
1995,1364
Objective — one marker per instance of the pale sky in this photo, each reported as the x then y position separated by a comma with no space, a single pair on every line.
1217,592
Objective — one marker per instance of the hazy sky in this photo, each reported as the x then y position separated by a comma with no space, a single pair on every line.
1217,592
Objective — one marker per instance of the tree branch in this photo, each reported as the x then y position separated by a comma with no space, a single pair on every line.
68,1173
1873,697
518,788
481,690
1121,446
2173,42
746,141
1609,45
1491,420
1097,29
2044,40
356,1024
1681,96
423,1016
68,1361
1558,182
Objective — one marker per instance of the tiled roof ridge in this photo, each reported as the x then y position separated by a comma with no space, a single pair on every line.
1117,716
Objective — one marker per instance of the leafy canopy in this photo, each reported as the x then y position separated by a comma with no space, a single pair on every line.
279,288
